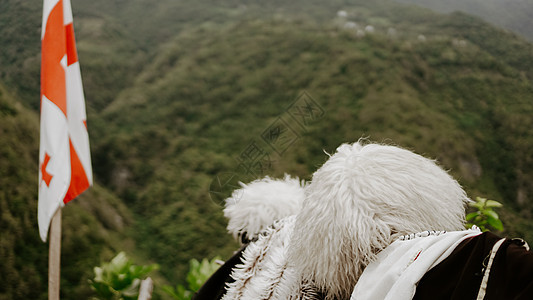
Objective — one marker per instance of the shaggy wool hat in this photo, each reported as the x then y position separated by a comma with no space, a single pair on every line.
358,202
255,206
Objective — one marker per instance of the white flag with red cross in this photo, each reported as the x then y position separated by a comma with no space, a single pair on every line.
64,154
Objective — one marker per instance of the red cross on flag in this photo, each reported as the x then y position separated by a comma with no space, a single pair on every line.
64,155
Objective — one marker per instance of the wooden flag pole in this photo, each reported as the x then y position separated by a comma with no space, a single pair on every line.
54,257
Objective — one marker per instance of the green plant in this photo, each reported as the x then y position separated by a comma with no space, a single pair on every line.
198,273
485,216
119,279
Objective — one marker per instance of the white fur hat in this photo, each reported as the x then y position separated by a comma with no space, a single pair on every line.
363,197
259,203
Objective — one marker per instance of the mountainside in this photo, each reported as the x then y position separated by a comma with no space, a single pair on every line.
514,15
94,226
180,95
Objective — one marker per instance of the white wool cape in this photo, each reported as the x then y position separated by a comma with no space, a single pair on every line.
397,270
265,270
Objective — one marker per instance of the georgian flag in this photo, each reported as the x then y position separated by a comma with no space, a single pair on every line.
64,155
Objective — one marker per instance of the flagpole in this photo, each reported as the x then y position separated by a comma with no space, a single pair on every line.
64,154
54,257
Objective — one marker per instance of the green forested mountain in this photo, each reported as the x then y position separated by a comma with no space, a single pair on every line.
179,93
94,227
19,240
514,15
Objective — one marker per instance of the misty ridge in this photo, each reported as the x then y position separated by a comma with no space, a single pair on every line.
512,15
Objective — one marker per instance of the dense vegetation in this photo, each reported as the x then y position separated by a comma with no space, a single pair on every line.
90,227
514,15
178,93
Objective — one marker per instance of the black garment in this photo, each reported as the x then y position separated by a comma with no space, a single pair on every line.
459,276
215,286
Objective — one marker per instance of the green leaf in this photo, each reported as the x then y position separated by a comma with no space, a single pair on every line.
475,205
492,203
481,201
119,279
178,293
199,272
472,215
133,289
170,291
495,223
491,214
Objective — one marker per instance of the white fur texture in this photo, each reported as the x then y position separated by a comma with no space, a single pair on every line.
358,202
266,272
263,273
258,204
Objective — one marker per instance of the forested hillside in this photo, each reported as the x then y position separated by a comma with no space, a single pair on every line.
180,94
92,230
514,15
